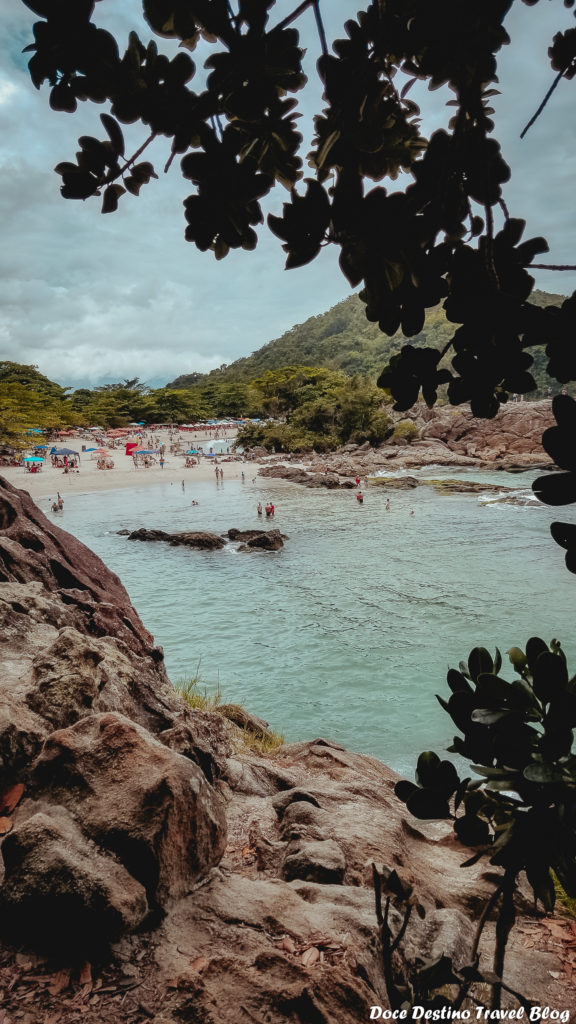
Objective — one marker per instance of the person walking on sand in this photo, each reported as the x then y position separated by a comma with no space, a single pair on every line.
357,481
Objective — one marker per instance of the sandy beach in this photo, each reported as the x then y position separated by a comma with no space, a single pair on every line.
52,480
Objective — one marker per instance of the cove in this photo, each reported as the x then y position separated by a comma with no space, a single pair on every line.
347,632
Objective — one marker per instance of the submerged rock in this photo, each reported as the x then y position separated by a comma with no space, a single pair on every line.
465,487
396,483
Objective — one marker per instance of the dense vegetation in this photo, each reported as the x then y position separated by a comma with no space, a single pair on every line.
316,407
343,339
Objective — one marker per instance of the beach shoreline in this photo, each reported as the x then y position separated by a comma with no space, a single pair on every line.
52,480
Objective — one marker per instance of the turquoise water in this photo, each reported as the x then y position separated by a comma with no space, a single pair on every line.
348,632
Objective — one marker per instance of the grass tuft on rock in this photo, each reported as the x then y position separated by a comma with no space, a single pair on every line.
258,740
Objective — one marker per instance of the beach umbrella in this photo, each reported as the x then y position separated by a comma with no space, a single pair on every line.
192,452
147,452
65,451
31,458
41,446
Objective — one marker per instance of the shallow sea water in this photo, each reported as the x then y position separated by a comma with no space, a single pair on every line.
348,632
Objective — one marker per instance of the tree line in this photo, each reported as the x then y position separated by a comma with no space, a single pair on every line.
311,407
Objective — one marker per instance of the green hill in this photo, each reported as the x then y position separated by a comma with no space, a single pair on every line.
343,339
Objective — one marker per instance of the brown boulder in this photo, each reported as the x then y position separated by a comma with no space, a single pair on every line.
61,894
150,807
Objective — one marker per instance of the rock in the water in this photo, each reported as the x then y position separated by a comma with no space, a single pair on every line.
194,539
268,540
300,476
148,806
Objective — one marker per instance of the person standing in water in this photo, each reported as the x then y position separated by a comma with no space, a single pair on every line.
259,510
360,498
387,504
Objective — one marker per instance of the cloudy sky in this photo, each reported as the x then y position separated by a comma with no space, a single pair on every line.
89,298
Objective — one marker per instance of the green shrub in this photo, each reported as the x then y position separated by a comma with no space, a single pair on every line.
406,430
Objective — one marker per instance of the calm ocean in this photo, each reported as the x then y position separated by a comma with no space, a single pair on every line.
348,632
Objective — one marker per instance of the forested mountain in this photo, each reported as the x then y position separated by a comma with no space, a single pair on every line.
343,339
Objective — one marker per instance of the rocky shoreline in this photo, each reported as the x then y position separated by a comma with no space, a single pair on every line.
154,869
447,437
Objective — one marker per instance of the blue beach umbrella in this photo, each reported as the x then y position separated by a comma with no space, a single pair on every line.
32,459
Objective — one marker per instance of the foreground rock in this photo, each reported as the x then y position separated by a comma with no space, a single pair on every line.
232,886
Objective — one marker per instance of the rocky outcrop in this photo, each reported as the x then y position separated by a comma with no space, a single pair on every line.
516,430
33,550
116,766
231,885
447,436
